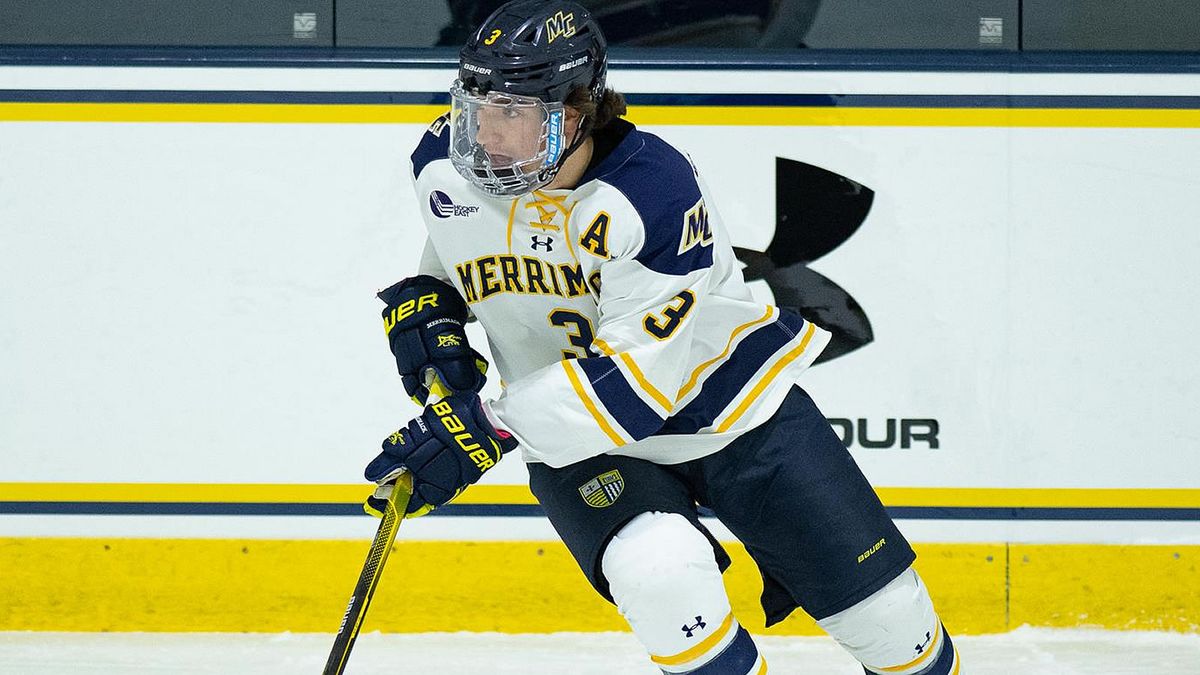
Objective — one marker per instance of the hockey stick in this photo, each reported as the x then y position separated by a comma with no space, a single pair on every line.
356,611
385,536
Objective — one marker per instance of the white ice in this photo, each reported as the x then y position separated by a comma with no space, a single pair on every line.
1026,651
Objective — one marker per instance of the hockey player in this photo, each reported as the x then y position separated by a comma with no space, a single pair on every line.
640,377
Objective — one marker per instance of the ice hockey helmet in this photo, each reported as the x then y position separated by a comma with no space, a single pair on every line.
536,48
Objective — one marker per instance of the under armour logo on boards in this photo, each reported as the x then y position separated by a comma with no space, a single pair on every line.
689,630
536,243
817,210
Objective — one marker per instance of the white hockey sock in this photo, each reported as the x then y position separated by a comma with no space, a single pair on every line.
895,631
664,578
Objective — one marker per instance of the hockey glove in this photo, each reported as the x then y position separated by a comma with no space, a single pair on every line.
446,450
424,325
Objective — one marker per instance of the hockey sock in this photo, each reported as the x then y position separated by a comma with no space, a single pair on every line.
896,631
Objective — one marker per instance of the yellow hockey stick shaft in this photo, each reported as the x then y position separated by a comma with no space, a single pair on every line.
368,579
385,536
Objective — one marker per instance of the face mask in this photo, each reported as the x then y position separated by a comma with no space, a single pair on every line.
505,144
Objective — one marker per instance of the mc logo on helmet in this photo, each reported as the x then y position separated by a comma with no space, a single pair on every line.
560,25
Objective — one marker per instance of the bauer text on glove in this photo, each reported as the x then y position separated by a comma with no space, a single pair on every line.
424,324
447,448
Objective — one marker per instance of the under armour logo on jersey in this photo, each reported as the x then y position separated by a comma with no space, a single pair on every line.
536,243
699,625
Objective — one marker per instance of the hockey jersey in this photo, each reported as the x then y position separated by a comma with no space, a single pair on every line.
616,312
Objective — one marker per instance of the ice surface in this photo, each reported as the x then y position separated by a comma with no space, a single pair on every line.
1026,651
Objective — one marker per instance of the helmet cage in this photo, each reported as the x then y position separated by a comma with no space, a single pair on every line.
505,144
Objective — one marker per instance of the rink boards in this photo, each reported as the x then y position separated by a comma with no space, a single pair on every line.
195,373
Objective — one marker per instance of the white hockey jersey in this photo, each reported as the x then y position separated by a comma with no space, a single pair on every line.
616,312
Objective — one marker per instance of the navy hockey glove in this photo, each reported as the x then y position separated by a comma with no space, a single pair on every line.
424,325
446,450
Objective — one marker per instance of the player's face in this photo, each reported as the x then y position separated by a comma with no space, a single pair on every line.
507,144
510,133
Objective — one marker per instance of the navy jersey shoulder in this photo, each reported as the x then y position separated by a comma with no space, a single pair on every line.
434,145
661,184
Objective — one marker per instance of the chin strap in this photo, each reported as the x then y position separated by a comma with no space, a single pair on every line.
581,133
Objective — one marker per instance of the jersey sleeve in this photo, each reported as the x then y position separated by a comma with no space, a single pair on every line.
434,145
653,285
431,264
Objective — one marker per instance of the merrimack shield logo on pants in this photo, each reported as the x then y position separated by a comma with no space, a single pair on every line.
603,490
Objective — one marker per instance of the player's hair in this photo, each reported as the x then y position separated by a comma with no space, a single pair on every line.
610,106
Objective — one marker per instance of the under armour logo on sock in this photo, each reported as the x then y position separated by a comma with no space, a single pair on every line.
921,647
689,630
536,243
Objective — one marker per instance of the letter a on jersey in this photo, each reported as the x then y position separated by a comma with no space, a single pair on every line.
595,237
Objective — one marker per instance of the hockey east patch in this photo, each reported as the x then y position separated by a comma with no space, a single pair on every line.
603,490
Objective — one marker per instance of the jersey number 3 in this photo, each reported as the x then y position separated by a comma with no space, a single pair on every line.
662,326
579,332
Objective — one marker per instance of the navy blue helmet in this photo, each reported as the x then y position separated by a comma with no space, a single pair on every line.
536,48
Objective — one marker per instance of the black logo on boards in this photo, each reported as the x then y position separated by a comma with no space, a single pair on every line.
867,435
815,211
699,625
536,243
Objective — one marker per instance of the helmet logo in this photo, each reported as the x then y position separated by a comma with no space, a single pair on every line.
573,64
554,139
560,25
476,69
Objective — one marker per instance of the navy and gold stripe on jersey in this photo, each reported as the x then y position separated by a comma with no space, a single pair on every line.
637,418
720,389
